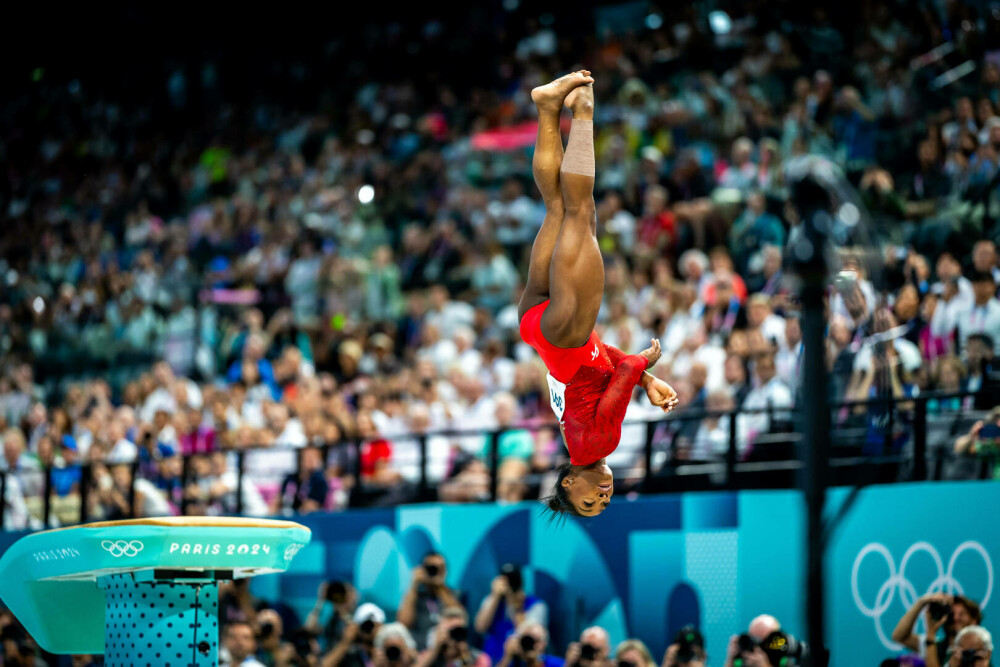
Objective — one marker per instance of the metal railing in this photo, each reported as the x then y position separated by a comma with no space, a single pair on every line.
730,471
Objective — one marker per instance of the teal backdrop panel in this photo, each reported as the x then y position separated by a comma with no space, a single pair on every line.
900,542
647,566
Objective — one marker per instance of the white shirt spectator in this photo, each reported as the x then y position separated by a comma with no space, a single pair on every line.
292,435
154,502
453,315
123,451
15,510
711,443
973,319
774,394
787,361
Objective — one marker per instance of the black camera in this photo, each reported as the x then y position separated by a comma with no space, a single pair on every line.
393,653
626,663
690,644
432,570
588,652
746,643
266,630
336,592
969,657
513,574
367,626
527,643
781,648
459,633
938,610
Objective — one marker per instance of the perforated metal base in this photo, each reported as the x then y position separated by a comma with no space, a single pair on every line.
160,623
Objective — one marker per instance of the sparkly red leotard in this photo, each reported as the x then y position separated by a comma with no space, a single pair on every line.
589,387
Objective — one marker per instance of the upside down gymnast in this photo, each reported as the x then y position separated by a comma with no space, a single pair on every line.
590,383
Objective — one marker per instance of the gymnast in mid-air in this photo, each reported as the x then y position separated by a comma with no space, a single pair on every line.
590,383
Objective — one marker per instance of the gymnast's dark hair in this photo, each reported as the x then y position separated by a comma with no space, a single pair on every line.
559,503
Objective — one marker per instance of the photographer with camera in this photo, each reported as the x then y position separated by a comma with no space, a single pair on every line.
427,597
951,613
526,648
505,608
687,650
746,647
394,646
335,603
973,648
357,645
270,629
449,643
593,649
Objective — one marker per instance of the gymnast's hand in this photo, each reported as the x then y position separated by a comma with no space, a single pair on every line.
651,353
661,394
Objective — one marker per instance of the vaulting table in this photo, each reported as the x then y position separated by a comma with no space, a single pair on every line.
142,592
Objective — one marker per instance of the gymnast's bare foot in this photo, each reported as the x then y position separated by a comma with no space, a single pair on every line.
581,102
550,96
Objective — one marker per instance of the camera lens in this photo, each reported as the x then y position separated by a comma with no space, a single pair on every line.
458,633
266,629
432,570
368,626
746,643
527,643
588,651
393,653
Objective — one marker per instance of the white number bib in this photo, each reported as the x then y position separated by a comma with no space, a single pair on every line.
557,396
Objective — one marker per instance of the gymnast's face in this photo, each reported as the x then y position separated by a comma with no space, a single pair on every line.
590,488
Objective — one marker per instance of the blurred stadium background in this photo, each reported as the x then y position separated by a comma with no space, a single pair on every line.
268,264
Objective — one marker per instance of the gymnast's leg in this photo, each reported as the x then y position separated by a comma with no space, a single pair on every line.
545,167
576,272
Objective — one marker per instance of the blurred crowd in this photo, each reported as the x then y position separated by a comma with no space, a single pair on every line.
326,285
435,625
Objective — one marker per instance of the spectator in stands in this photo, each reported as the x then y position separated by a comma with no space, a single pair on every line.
427,596
505,608
526,647
964,613
332,613
270,630
950,378
981,316
305,490
633,653
448,643
769,393
394,646
241,645
973,646
592,650
687,649
712,439
759,628
357,645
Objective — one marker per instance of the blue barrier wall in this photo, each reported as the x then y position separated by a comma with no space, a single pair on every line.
647,567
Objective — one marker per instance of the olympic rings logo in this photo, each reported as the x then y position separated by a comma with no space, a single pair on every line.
945,582
119,548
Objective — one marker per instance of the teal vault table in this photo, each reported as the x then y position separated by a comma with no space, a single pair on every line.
141,592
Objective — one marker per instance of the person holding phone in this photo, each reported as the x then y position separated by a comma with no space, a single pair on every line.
427,596
505,608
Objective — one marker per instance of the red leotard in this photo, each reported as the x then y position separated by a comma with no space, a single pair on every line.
599,380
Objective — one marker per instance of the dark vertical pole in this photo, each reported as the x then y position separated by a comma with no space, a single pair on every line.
805,255
891,423
3,497
731,452
494,463
84,492
47,500
423,490
239,480
920,439
647,454
185,471
134,467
